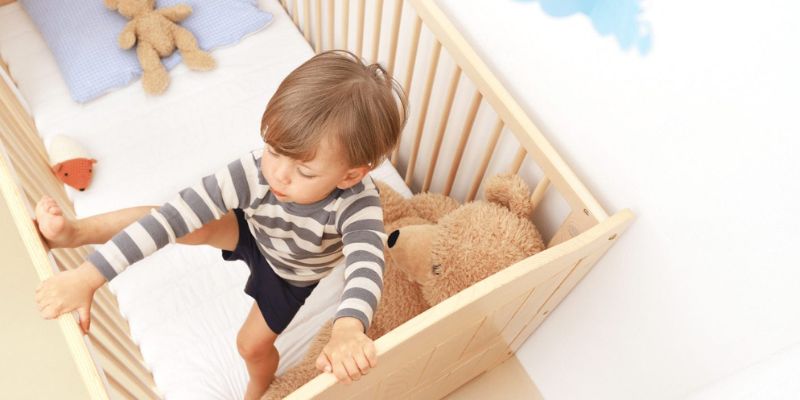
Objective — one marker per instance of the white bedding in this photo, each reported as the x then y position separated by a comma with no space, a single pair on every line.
184,304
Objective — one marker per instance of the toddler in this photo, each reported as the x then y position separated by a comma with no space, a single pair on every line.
291,212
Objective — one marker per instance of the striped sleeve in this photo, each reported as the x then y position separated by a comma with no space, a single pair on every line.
360,221
232,187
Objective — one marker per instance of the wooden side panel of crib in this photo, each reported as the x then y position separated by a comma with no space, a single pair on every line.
121,372
476,329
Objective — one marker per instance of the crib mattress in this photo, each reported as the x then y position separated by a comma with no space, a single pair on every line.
184,304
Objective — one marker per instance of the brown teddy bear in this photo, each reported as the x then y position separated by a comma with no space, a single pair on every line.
436,248
158,35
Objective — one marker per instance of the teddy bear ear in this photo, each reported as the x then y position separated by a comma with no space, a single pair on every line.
111,4
510,191
393,204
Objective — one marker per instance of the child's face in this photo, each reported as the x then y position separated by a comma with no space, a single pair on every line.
306,182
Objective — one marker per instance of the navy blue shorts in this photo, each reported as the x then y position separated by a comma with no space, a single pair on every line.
276,298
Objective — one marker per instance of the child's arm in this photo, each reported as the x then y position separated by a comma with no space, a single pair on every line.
214,196
232,187
350,353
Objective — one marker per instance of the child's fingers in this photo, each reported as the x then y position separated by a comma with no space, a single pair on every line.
353,372
342,374
362,363
38,296
322,363
49,312
371,354
85,319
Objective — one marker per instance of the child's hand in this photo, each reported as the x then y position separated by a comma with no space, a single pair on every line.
350,353
69,291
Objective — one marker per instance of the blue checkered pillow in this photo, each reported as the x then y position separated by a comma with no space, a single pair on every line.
83,36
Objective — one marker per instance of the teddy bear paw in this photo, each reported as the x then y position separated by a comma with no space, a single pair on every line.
198,60
155,81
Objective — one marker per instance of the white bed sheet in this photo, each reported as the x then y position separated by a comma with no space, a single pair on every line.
184,304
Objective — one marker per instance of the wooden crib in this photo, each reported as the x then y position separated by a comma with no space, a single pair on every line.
453,342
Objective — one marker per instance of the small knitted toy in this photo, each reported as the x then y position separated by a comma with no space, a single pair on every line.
70,162
158,35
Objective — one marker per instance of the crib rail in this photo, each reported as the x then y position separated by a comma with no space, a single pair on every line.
464,126
477,328
113,367
455,98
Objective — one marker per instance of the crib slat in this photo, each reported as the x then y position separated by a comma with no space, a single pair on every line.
345,24
376,30
122,373
119,389
451,95
331,14
539,192
412,59
426,97
295,13
476,102
360,28
100,331
112,308
398,11
307,20
318,41
487,156
118,332
518,122
518,159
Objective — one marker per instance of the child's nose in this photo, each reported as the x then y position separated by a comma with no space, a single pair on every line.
283,173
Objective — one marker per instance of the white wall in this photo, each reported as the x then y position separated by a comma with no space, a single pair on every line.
698,137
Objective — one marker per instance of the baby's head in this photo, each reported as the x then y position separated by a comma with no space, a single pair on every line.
329,123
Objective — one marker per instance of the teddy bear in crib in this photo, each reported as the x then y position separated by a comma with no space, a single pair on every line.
157,33
435,249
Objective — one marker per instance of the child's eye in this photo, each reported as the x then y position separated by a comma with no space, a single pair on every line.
271,152
305,175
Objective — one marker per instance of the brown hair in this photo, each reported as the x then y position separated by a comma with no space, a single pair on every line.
335,93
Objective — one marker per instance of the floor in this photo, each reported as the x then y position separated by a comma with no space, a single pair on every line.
510,376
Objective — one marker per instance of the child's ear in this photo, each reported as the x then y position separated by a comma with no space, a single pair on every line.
353,176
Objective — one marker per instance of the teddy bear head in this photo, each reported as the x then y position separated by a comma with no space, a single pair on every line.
130,8
461,245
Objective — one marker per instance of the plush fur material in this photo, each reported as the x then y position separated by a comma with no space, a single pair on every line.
158,34
435,249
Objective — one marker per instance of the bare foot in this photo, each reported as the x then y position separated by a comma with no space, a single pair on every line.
54,227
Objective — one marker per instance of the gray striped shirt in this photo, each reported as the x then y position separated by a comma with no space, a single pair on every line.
302,242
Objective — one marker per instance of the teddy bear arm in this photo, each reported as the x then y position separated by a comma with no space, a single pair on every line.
176,13
127,38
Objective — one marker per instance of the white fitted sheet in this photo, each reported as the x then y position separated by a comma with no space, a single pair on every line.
184,304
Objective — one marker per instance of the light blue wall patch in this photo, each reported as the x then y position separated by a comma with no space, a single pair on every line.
620,18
